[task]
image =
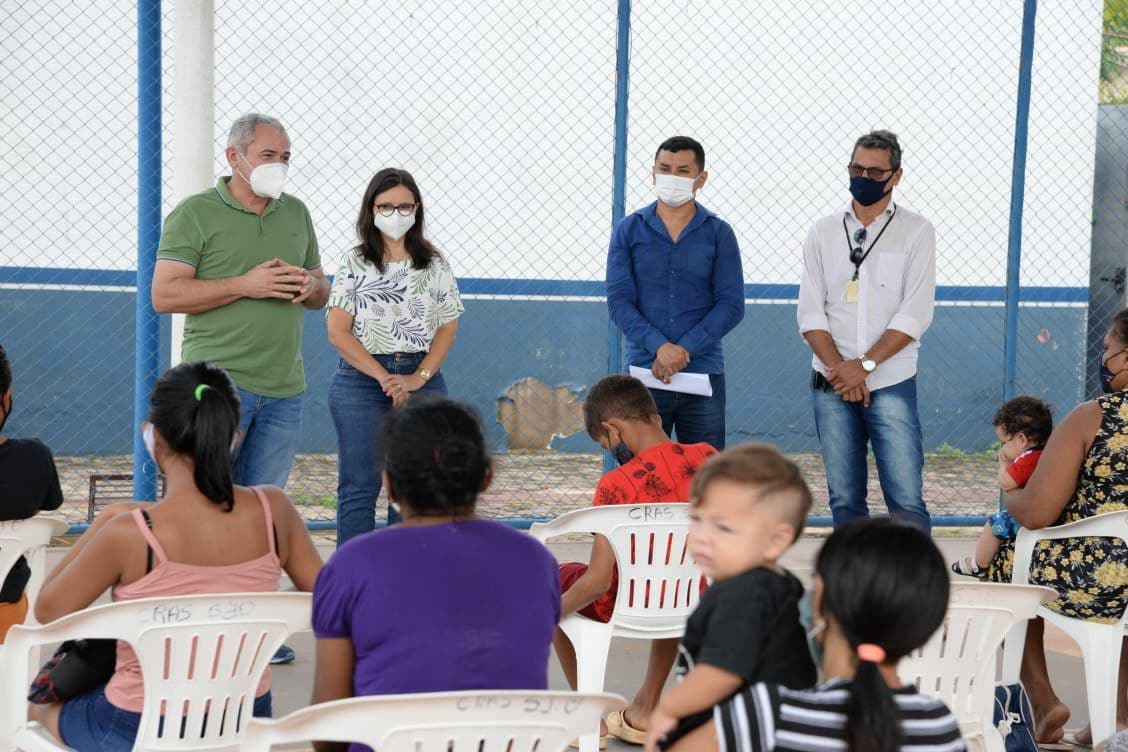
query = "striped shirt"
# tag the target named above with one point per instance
(766, 717)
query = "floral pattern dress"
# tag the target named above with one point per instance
(399, 310)
(1089, 574)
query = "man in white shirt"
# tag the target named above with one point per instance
(866, 297)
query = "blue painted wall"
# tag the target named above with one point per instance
(72, 353)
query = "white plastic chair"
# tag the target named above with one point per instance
(475, 721)
(28, 538)
(1099, 643)
(654, 597)
(201, 660)
(957, 664)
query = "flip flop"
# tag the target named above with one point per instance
(1071, 739)
(617, 726)
(575, 743)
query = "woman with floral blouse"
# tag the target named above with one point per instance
(1083, 472)
(392, 316)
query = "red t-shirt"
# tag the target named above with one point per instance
(659, 474)
(1023, 466)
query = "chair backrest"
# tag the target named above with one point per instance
(659, 583)
(957, 664)
(475, 721)
(28, 538)
(201, 660)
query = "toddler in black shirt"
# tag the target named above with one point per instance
(748, 505)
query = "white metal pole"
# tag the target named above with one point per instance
(193, 111)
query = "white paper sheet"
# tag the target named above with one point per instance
(686, 383)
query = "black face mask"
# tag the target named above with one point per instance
(622, 453)
(1107, 375)
(6, 413)
(867, 191)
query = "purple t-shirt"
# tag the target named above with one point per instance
(461, 605)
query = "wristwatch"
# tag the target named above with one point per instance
(424, 374)
(868, 363)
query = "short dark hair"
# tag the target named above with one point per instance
(1119, 327)
(1028, 415)
(617, 396)
(766, 469)
(436, 457)
(681, 143)
(886, 140)
(200, 423)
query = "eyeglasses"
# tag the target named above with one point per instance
(873, 173)
(856, 254)
(388, 210)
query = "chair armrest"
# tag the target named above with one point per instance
(1109, 525)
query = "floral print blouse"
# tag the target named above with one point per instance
(399, 310)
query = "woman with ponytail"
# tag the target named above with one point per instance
(445, 600)
(880, 591)
(206, 535)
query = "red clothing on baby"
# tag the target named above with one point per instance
(1023, 466)
(659, 474)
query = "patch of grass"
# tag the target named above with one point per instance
(306, 499)
(947, 450)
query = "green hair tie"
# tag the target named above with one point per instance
(200, 390)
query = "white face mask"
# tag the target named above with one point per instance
(673, 190)
(150, 442)
(267, 179)
(395, 226)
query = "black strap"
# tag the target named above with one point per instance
(858, 263)
(148, 548)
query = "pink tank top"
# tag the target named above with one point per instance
(125, 688)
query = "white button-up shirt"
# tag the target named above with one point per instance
(896, 287)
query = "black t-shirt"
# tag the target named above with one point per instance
(29, 483)
(747, 625)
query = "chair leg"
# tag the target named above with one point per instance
(1012, 653)
(1100, 646)
(592, 642)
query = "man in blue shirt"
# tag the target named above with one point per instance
(675, 287)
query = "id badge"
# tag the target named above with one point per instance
(852, 291)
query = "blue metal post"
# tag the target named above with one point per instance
(619, 175)
(147, 344)
(1018, 187)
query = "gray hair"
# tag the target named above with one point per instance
(242, 131)
(886, 140)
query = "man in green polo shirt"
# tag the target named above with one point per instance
(241, 260)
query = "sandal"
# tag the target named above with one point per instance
(575, 743)
(964, 566)
(617, 726)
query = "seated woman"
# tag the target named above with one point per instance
(1083, 472)
(29, 483)
(445, 600)
(881, 590)
(205, 536)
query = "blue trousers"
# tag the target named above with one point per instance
(891, 426)
(270, 428)
(690, 418)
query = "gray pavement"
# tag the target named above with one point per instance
(292, 684)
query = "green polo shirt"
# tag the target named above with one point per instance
(258, 342)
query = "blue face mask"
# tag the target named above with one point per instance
(812, 628)
(867, 191)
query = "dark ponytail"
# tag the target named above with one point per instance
(884, 584)
(436, 456)
(196, 409)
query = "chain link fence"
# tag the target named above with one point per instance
(505, 114)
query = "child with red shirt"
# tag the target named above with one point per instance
(620, 414)
(1022, 425)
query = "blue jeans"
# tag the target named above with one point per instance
(694, 418)
(892, 427)
(358, 406)
(91, 723)
(270, 427)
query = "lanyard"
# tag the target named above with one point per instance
(858, 263)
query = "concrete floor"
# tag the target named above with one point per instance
(292, 684)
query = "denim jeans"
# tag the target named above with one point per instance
(270, 427)
(694, 418)
(358, 406)
(892, 427)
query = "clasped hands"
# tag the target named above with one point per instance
(399, 388)
(669, 359)
(849, 381)
(277, 279)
